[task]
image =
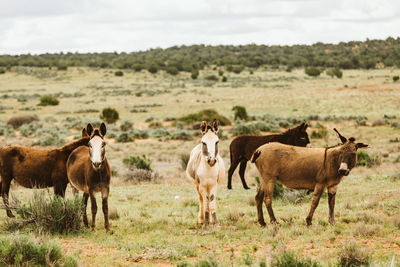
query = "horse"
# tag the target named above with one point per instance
(35, 168)
(206, 170)
(304, 168)
(243, 147)
(88, 171)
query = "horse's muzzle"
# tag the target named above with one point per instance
(344, 172)
(211, 162)
(96, 165)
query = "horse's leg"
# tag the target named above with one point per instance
(213, 204)
(201, 206)
(59, 189)
(85, 200)
(104, 197)
(206, 206)
(315, 200)
(232, 168)
(93, 206)
(259, 203)
(242, 169)
(269, 192)
(331, 201)
(5, 189)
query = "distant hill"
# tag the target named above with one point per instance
(346, 55)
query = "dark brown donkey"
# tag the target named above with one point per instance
(88, 171)
(303, 168)
(35, 168)
(243, 147)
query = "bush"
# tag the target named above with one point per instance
(352, 255)
(320, 132)
(334, 72)
(124, 138)
(224, 79)
(240, 113)
(364, 159)
(195, 74)
(62, 67)
(172, 70)
(237, 69)
(21, 250)
(153, 68)
(48, 100)
(289, 259)
(180, 134)
(205, 115)
(119, 73)
(17, 121)
(139, 175)
(220, 72)
(126, 126)
(184, 160)
(312, 71)
(245, 128)
(155, 124)
(396, 78)
(110, 115)
(138, 162)
(2, 71)
(211, 78)
(50, 213)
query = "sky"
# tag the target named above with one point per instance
(52, 26)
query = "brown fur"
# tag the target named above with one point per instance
(243, 147)
(303, 168)
(82, 176)
(35, 168)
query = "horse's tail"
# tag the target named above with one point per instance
(255, 156)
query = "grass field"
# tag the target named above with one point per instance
(157, 220)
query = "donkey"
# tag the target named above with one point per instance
(303, 168)
(206, 170)
(88, 171)
(243, 147)
(35, 168)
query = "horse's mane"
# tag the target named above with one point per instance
(326, 151)
(74, 144)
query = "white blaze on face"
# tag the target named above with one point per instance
(96, 151)
(210, 147)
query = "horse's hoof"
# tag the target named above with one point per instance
(246, 187)
(309, 222)
(10, 215)
(229, 187)
(262, 223)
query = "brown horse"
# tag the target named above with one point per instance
(35, 168)
(88, 171)
(303, 168)
(243, 147)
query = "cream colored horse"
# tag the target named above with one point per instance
(206, 170)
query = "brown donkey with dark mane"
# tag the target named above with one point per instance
(88, 171)
(303, 168)
(35, 168)
(243, 147)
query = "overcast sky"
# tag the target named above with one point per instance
(39, 26)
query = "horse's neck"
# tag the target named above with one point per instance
(68, 148)
(281, 138)
(331, 162)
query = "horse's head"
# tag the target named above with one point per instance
(210, 141)
(299, 135)
(348, 153)
(97, 144)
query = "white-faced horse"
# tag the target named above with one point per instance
(206, 170)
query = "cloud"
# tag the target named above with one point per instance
(124, 25)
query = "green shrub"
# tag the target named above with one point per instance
(334, 72)
(137, 67)
(237, 69)
(172, 70)
(109, 114)
(119, 73)
(320, 132)
(240, 113)
(184, 160)
(361, 121)
(180, 134)
(312, 71)
(205, 115)
(48, 100)
(48, 137)
(62, 67)
(50, 213)
(21, 250)
(6, 130)
(17, 121)
(124, 138)
(245, 128)
(126, 126)
(138, 162)
(289, 259)
(153, 68)
(352, 256)
(220, 72)
(195, 74)
(278, 190)
(155, 124)
(211, 78)
(364, 159)
(224, 79)
(396, 78)
(2, 70)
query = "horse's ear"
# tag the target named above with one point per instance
(361, 145)
(103, 129)
(215, 125)
(342, 138)
(305, 126)
(84, 132)
(89, 129)
(203, 127)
